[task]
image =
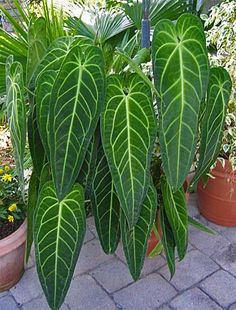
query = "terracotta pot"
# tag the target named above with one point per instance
(217, 201)
(12, 254)
(152, 241)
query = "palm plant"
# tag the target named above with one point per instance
(93, 133)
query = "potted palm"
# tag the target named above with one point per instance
(12, 229)
(217, 198)
(100, 128)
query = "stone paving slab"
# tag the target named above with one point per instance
(221, 287)
(194, 299)
(206, 279)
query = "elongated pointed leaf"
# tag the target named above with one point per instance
(76, 103)
(35, 143)
(106, 206)
(219, 91)
(54, 57)
(16, 113)
(198, 225)
(44, 78)
(128, 134)
(181, 77)
(31, 206)
(135, 239)
(176, 212)
(58, 235)
(168, 242)
(37, 46)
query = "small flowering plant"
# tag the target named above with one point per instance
(12, 207)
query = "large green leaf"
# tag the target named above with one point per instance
(176, 212)
(16, 113)
(168, 241)
(106, 206)
(181, 76)
(135, 239)
(37, 38)
(128, 134)
(219, 90)
(44, 78)
(76, 103)
(58, 234)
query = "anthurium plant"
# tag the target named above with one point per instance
(102, 131)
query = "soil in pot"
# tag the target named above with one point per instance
(12, 253)
(6, 229)
(217, 200)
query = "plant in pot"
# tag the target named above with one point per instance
(217, 195)
(94, 125)
(12, 228)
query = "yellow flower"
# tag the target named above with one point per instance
(7, 177)
(6, 168)
(10, 218)
(1, 171)
(12, 207)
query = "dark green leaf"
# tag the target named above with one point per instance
(58, 235)
(106, 206)
(135, 239)
(168, 242)
(219, 90)
(37, 46)
(16, 113)
(200, 226)
(128, 134)
(176, 212)
(181, 77)
(76, 103)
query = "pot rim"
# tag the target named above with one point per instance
(13, 241)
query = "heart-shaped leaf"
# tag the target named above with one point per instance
(58, 234)
(128, 134)
(181, 73)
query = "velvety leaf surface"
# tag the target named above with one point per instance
(181, 76)
(219, 90)
(168, 242)
(75, 106)
(176, 212)
(37, 37)
(135, 240)
(16, 114)
(128, 134)
(106, 206)
(59, 232)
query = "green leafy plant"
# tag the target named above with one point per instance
(98, 134)
(221, 40)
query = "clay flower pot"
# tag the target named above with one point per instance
(217, 201)
(152, 241)
(12, 254)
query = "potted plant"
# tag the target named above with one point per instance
(99, 128)
(217, 198)
(12, 229)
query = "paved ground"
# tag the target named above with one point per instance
(206, 279)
